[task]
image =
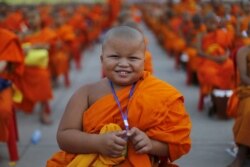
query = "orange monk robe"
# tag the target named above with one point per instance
(11, 52)
(14, 21)
(163, 118)
(35, 84)
(211, 74)
(235, 9)
(66, 33)
(95, 30)
(114, 9)
(241, 126)
(78, 21)
(193, 57)
(168, 36)
(148, 65)
(179, 43)
(244, 23)
(6, 106)
(60, 54)
(189, 6)
(45, 11)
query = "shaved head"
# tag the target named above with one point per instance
(124, 33)
(123, 55)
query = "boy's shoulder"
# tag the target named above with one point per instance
(94, 91)
(154, 87)
(152, 81)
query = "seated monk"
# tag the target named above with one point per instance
(215, 62)
(128, 118)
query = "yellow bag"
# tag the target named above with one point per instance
(37, 57)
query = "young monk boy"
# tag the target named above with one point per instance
(129, 118)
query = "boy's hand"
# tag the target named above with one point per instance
(140, 140)
(113, 144)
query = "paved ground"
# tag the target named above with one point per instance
(210, 136)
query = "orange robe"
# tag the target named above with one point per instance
(35, 84)
(60, 54)
(211, 74)
(191, 51)
(11, 52)
(5, 113)
(14, 21)
(241, 126)
(148, 65)
(163, 118)
(114, 9)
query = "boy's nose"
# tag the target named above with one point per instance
(123, 62)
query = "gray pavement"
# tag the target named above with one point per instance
(210, 136)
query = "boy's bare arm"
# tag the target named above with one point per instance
(70, 135)
(72, 138)
(159, 148)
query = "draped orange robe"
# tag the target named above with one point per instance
(155, 108)
(114, 9)
(14, 21)
(240, 109)
(60, 54)
(35, 84)
(211, 74)
(241, 126)
(11, 52)
(148, 65)
(191, 51)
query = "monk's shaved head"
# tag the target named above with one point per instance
(124, 33)
(211, 16)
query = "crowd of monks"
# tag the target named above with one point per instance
(204, 37)
(37, 44)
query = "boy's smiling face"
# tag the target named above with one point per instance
(123, 60)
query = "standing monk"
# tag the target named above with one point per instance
(11, 66)
(241, 127)
(35, 84)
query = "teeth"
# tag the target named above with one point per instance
(123, 72)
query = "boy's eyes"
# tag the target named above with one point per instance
(117, 56)
(113, 56)
(133, 58)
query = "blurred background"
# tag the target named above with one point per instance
(49, 48)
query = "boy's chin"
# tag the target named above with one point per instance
(124, 82)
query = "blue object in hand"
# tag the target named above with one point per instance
(36, 136)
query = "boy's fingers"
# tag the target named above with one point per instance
(132, 132)
(122, 134)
